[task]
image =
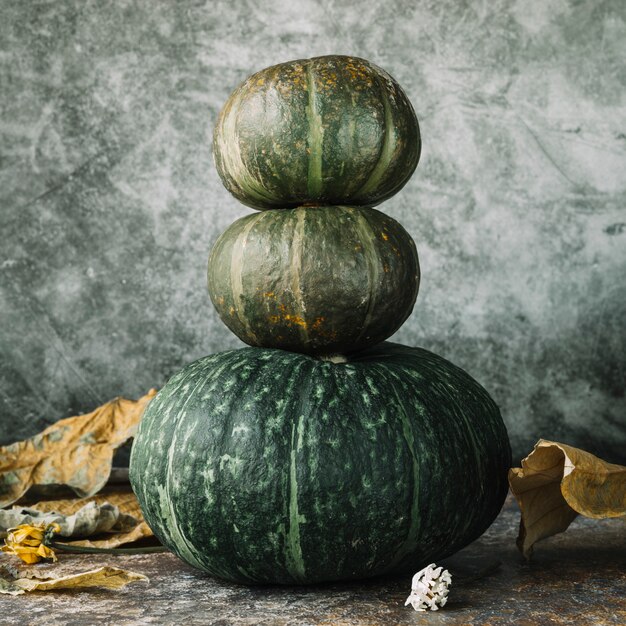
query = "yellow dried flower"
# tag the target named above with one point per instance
(26, 542)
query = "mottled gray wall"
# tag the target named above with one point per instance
(110, 201)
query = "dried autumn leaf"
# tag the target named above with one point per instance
(125, 500)
(121, 497)
(556, 483)
(106, 577)
(91, 519)
(76, 451)
(141, 531)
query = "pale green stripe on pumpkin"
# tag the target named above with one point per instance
(387, 151)
(166, 500)
(214, 383)
(149, 432)
(372, 257)
(229, 150)
(316, 138)
(411, 539)
(295, 561)
(236, 273)
(297, 247)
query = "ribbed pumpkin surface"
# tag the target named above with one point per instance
(265, 466)
(327, 130)
(324, 280)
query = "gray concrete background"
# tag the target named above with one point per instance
(109, 200)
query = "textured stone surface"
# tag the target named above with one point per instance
(577, 578)
(109, 200)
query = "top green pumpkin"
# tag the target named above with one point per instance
(328, 130)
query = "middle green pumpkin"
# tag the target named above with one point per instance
(324, 280)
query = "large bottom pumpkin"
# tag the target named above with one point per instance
(267, 466)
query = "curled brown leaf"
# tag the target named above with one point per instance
(556, 483)
(76, 451)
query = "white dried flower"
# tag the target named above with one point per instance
(429, 588)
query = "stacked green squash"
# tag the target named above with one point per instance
(319, 280)
(322, 452)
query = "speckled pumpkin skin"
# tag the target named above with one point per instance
(267, 466)
(323, 280)
(327, 130)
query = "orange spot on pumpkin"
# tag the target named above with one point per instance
(295, 319)
(317, 323)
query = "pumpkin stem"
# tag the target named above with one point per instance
(334, 358)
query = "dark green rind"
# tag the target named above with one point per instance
(327, 130)
(323, 280)
(265, 466)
